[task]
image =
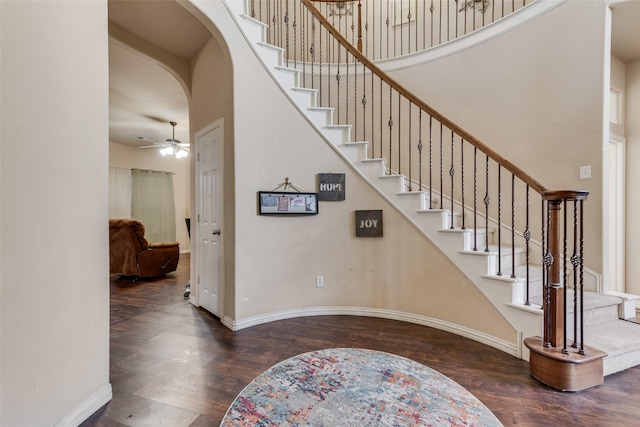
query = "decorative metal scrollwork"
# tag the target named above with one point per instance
(576, 260)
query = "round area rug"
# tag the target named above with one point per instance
(355, 387)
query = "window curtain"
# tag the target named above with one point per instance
(152, 202)
(119, 192)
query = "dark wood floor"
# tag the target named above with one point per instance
(175, 365)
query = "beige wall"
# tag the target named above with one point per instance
(54, 286)
(131, 157)
(277, 258)
(534, 95)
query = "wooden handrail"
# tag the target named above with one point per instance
(561, 195)
(527, 179)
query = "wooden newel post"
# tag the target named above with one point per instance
(554, 304)
(554, 294)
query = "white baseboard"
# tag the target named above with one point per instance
(87, 408)
(511, 348)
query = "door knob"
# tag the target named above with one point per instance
(216, 232)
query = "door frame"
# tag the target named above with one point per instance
(617, 206)
(196, 268)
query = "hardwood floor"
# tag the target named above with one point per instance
(176, 365)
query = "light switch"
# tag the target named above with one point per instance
(585, 172)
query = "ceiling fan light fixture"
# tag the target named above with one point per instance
(180, 153)
(166, 151)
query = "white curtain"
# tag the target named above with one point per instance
(152, 202)
(119, 192)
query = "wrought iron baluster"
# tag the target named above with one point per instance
(431, 11)
(388, 22)
(395, 42)
(527, 238)
(441, 170)
(548, 260)
(581, 351)
(499, 220)
(452, 173)
(381, 120)
(576, 264)
(286, 29)
(364, 102)
(420, 146)
(457, 15)
(399, 134)
(487, 200)
(430, 162)
(462, 180)
(346, 97)
(410, 145)
(390, 129)
(355, 99)
(564, 279)
(475, 201)
(338, 64)
(513, 226)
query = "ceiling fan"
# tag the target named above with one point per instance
(171, 146)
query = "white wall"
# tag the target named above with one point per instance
(131, 157)
(633, 175)
(54, 268)
(534, 95)
(276, 259)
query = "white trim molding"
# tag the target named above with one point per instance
(96, 401)
(511, 348)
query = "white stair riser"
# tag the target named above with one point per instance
(372, 169)
(255, 30)
(355, 151)
(320, 117)
(410, 200)
(391, 184)
(303, 97)
(287, 77)
(271, 55)
(338, 135)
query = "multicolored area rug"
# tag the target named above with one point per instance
(355, 387)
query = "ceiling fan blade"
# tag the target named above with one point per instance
(154, 146)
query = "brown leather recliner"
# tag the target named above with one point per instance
(130, 254)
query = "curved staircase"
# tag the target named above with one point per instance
(619, 339)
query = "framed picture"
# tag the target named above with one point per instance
(369, 223)
(285, 202)
(331, 187)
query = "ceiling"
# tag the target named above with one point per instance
(144, 97)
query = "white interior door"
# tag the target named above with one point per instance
(210, 255)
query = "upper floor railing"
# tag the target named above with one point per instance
(383, 29)
(454, 170)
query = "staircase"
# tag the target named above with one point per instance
(605, 331)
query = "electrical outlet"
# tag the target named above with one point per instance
(319, 281)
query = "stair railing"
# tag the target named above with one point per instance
(440, 159)
(384, 29)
